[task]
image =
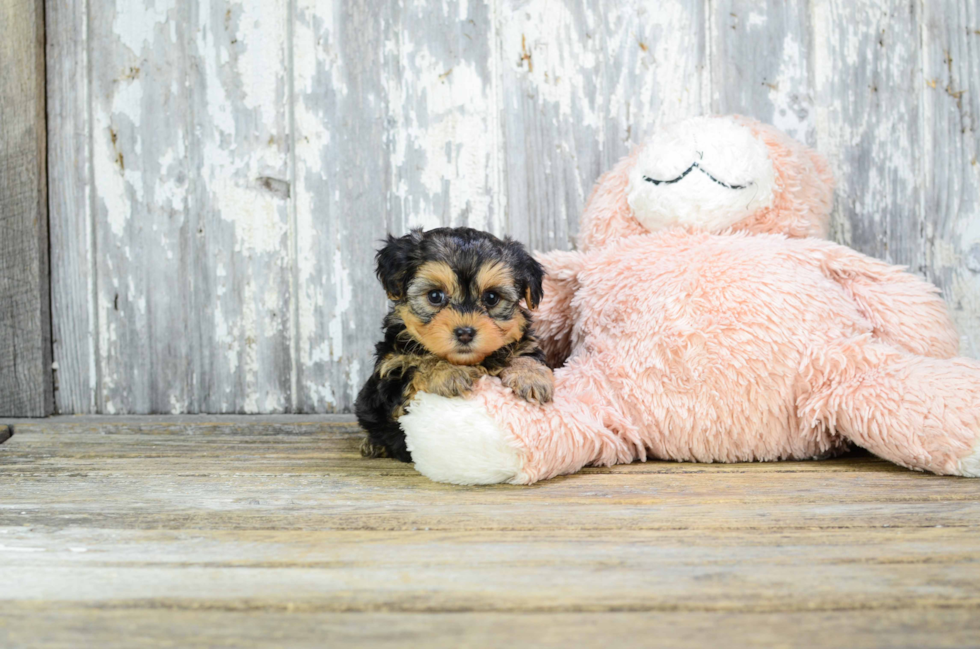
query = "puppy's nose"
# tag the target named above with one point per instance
(464, 334)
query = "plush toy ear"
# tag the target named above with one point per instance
(395, 262)
(529, 274)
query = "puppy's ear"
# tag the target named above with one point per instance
(395, 262)
(528, 273)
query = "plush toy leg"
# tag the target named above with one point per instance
(905, 310)
(494, 436)
(919, 412)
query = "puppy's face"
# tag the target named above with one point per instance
(458, 291)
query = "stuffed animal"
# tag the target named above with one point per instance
(702, 319)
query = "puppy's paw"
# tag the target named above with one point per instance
(448, 380)
(371, 450)
(530, 380)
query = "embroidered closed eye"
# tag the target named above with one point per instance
(694, 166)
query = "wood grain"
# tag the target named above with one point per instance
(173, 290)
(52, 625)
(760, 56)
(342, 188)
(25, 317)
(219, 190)
(233, 533)
(950, 234)
(581, 83)
(866, 79)
(73, 291)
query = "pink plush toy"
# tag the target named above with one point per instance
(701, 320)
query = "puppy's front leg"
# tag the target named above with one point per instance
(445, 379)
(530, 379)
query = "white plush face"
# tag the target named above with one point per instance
(704, 172)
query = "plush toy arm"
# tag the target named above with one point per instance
(553, 318)
(904, 310)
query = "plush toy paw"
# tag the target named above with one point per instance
(530, 380)
(969, 466)
(456, 441)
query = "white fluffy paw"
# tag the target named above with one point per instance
(456, 441)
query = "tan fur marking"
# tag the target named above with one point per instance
(531, 304)
(512, 330)
(432, 374)
(494, 275)
(441, 274)
(446, 379)
(529, 379)
(396, 364)
(437, 336)
(527, 347)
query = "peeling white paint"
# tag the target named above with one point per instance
(114, 191)
(262, 35)
(135, 23)
(311, 48)
(128, 101)
(228, 339)
(662, 87)
(558, 58)
(250, 365)
(256, 214)
(442, 148)
(548, 87)
(107, 348)
(321, 394)
(217, 102)
(790, 93)
(317, 34)
(177, 405)
(336, 328)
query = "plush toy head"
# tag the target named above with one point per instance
(717, 174)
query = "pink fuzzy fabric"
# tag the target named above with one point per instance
(805, 187)
(755, 343)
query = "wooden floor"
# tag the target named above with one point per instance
(254, 532)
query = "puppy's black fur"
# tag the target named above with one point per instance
(442, 282)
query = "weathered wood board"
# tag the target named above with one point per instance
(222, 171)
(256, 532)
(26, 387)
(950, 173)
(55, 625)
(74, 314)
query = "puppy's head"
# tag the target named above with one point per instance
(458, 290)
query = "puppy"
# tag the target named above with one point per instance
(455, 317)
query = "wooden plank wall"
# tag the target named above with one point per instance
(25, 320)
(221, 170)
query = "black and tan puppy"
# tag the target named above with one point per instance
(456, 316)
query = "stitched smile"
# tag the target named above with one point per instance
(694, 166)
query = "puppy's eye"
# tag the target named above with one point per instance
(436, 298)
(491, 299)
